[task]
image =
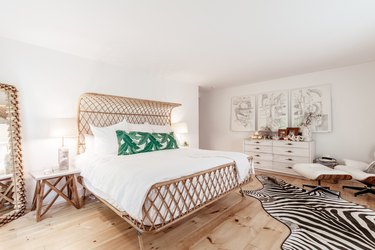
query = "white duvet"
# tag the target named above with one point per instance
(124, 181)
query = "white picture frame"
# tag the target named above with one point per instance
(316, 99)
(273, 110)
(243, 113)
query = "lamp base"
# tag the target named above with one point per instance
(63, 158)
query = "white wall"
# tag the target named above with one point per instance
(51, 82)
(353, 112)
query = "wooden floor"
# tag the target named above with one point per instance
(231, 223)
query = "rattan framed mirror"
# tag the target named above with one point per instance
(12, 186)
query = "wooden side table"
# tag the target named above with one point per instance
(52, 180)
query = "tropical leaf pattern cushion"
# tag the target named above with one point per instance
(135, 142)
(166, 140)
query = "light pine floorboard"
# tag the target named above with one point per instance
(231, 223)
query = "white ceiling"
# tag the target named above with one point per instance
(205, 42)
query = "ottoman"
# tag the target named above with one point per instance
(319, 172)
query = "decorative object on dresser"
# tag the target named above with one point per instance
(279, 155)
(273, 110)
(312, 100)
(52, 178)
(63, 128)
(243, 113)
(12, 186)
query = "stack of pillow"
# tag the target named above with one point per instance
(126, 138)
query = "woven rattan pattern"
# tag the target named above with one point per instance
(105, 110)
(15, 155)
(166, 202)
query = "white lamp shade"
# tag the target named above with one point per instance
(63, 127)
(180, 128)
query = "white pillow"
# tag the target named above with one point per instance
(106, 139)
(89, 144)
(161, 128)
(146, 127)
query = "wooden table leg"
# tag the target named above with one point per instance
(40, 200)
(35, 198)
(74, 191)
(67, 179)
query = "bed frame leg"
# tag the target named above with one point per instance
(241, 192)
(140, 240)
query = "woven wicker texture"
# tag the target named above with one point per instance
(15, 154)
(105, 110)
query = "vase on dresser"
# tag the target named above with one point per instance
(306, 133)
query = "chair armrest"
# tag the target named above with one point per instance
(356, 164)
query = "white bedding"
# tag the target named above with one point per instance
(124, 181)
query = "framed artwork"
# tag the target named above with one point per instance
(243, 113)
(273, 110)
(316, 100)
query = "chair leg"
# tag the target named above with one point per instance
(362, 190)
(310, 186)
(354, 188)
(365, 191)
(319, 188)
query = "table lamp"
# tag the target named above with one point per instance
(63, 128)
(179, 129)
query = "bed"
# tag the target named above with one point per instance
(183, 180)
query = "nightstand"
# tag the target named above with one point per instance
(52, 179)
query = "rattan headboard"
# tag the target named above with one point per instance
(105, 110)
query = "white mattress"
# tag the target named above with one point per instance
(124, 181)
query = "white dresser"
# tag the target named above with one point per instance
(279, 156)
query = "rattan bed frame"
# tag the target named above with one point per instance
(178, 198)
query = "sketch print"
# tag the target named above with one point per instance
(243, 113)
(316, 100)
(273, 110)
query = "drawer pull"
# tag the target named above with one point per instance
(289, 167)
(289, 143)
(257, 142)
(289, 151)
(289, 159)
(257, 155)
(257, 148)
(257, 162)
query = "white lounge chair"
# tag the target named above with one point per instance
(357, 170)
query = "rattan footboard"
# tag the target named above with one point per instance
(171, 201)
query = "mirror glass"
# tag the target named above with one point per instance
(7, 171)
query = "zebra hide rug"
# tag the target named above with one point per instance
(316, 221)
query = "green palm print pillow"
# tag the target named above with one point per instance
(141, 142)
(166, 140)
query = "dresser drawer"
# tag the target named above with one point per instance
(291, 144)
(290, 159)
(258, 148)
(258, 142)
(260, 156)
(291, 151)
(259, 164)
(284, 168)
